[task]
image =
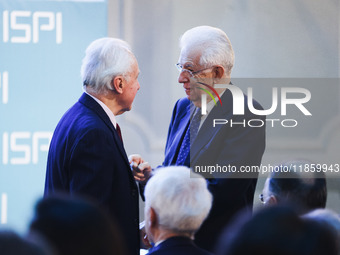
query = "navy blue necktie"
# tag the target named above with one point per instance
(190, 135)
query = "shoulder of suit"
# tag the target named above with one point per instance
(182, 102)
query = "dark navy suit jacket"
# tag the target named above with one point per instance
(237, 145)
(177, 246)
(87, 158)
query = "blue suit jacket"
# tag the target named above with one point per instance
(222, 145)
(87, 158)
(177, 245)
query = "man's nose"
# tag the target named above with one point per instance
(184, 77)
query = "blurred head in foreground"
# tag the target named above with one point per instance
(277, 230)
(74, 226)
(13, 244)
(294, 183)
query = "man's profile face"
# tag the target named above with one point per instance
(189, 59)
(148, 224)
(131, 87)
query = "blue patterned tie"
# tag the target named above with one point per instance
(190, 135)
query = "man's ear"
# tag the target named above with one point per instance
(153, 218)
(218, 72)
(271, 200)
(117, 84)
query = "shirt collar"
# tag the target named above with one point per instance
(159, 242)
(106, 109)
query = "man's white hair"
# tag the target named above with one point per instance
(213, 43)
(179, 197)
(105, 58)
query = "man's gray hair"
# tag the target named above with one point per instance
(105, 58)
(179, 197)
(213, 43)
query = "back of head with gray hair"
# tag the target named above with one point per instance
(180, 199)
(104, 59)
(305, 189)
(213, 43)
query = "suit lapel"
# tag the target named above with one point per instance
(93, 105)
(207, 132)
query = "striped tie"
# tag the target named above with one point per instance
(190, 135)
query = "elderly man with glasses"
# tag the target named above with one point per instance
(206, 59)
(218, 152)
(298, 183)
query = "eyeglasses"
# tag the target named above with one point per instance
(262, 198)
(191, 73)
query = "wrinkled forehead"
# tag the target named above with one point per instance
(135, 66)
(190, 56)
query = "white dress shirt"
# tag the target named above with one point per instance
(106, 109)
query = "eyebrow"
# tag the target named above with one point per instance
(188, 64)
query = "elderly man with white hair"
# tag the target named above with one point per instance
(218, 152)
(205, 62)
(87, 155)
(176, 203)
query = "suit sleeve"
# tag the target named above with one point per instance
(166, 161)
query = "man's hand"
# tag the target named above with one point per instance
(141, 170)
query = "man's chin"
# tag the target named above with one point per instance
(192, 97)
(194, 100)
(128, 109)
(124, 110)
